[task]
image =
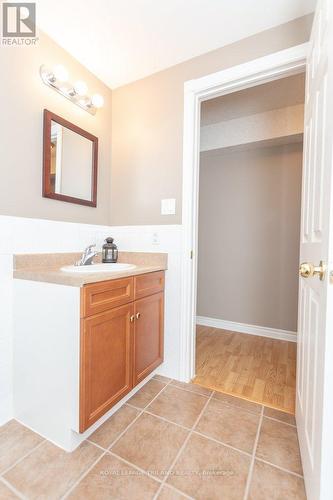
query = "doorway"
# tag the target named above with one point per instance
(251, 148)
(314, 373)
(283, 64)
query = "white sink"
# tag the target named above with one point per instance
(98, 268)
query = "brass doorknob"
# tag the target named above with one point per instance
(308, 270)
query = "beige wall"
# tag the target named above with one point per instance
(249, 216)
(147, 121)
(23, 98)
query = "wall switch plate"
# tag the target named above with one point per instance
(168, 206)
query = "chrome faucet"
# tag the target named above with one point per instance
(87, 256)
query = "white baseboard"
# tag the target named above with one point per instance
(261, 331)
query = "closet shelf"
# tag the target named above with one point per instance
(266, 143)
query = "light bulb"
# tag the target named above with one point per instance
(80, 88)
(97, 101)
(60, 73)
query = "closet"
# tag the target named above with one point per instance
(251, 147)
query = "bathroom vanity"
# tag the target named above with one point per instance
(83, 342)
(121, 340)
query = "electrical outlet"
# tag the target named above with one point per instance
(155, 239)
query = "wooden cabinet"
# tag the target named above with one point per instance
(147, 284)
(106, 362)
(103, 296)
(121, 340)
(148, 335)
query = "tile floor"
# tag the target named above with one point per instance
(170, 441)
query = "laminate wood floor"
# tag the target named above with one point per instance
(256, 368)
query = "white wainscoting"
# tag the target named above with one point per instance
(261, 331)
(23, 235)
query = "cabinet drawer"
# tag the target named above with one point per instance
(147, 284)
(100, 297)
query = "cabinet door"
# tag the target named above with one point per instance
(148, 335)
(106, 362)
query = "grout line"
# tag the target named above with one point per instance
(167, 420)
(204, 436)
(132, 406)
(249, 476)
(143, 472)
(155, 378)
(197, 432)
(137, 417)
(240, 408)
(182, 447)
(231, 405)
(23, 457)
(82, 476)
(192, 392)
(11, 488)
(108, 450)
(279, 467)
(173, 488)
(280, 421)
(222, 443)
(95, 444)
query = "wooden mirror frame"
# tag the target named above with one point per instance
(47, 192)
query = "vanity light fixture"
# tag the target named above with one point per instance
(57, 78)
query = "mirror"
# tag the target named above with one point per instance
(70, 162)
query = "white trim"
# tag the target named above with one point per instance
(261, 331)
(258, 71)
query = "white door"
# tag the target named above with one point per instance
(315, 327)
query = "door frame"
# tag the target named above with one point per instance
(258, 71)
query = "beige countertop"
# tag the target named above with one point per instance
(47, 267)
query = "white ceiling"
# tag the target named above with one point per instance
(124, 40)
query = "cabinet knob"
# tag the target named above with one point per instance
(132, 318)
(138, 315)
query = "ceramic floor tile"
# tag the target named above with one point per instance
(279, 415)
(181, 407)
(238, 402)
(208, 470)
(192, 387)
(161, 378)
(231, 425)
(144, 396)
(115, 425)
(112, 478)
(271, 483)
(167, 493)
(6, 493)
(15, 441)
(278, 444)
(49, 471)
(150, 443)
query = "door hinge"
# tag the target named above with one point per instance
(191, 254)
